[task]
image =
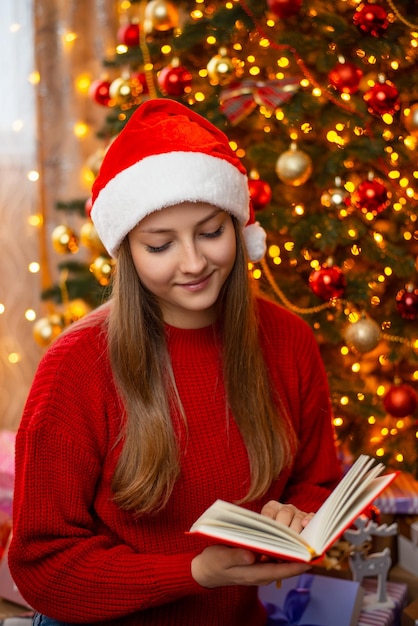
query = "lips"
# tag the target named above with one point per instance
(197, 285)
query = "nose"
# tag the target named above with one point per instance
(192, 259)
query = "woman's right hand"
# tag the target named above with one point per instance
(222, 566)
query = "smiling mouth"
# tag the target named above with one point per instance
(198, 284)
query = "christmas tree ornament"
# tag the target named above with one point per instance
(382, 98)
(371, 196)
(294, 167)
(328, 282)
(260, 193)
(120, 90)
(400, 400)
(94, 162)
(128, 35)
(160, 16)
(411, 119)
(371, 19)
(99, 92)
(46, 329)
(102, 269)
(221, 68)
(240, 98)
(90, 239)
(75, 310)
(336, 197)
(284, 8)
(174, 80)
(362, 336)
(64, 240)
(345, 77)
(407, 302)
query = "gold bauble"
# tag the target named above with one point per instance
(294, 166)
(64, 240)
(411, 119)
(160, 16)
(46, 329)
(75, 310)
(362, 336)
(120, 91)
(90, 239)
(221, 69)
(102, 269)
(95, 160)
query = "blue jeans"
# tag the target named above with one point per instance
(42, 620)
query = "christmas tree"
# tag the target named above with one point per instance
(320, 100)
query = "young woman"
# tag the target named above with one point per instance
(184, 388)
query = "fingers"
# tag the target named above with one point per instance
(220, 566)
(287, 514)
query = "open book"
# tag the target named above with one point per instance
(235, 525)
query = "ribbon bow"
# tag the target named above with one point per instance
(294, 607)
(240, 99)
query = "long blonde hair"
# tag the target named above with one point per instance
(149, 465)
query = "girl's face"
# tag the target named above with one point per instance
(183, 254)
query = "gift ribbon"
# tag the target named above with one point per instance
(294, 606)
(240, 99)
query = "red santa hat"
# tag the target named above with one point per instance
(168, 154)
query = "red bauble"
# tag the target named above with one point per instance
(260, 193)
(128, 34)
(99, 92)
(174, 81)
(371, 19)
(400, 400)
(328, 282)
(284, 8)
(345, 77)
(371, 196)
(407, 302)
(382, 98)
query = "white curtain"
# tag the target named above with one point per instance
(19, 288)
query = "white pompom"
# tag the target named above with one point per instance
(255, 241)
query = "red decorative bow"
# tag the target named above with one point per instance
(240, 99)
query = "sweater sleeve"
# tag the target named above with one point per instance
(64, 560)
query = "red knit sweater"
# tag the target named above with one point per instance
(75, 555)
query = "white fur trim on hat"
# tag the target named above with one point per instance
(162, 180)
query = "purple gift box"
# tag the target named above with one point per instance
(312, 600)
(400, 497)
(386, 615)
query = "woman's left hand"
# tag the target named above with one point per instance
(287, 514)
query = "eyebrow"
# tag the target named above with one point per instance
(170, 230)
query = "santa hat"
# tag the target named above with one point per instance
(167, 154)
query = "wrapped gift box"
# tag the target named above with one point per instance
(313, 599)
(400, 497)
(382, 615)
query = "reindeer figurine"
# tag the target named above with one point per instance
(371, 565)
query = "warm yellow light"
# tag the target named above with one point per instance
(211, 40)
(344, 350)
(283, 62)
(380, 391)
(317, 92)
(69, 37)
(274, 251)
(80, 129)
(299, 209)
(83, 83)
(199, 96)
(166, 49)
(34, 267)
(264, 43)
(257, 274)
(371, 419)
(34, 78)
(338, 421)
(380, 452)
(33, 176)
(2, 308)
(35, 220)
(30, 315)
(289, 245)
(14, 357)
(344, 400)
(254, 71)
(355, 367)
